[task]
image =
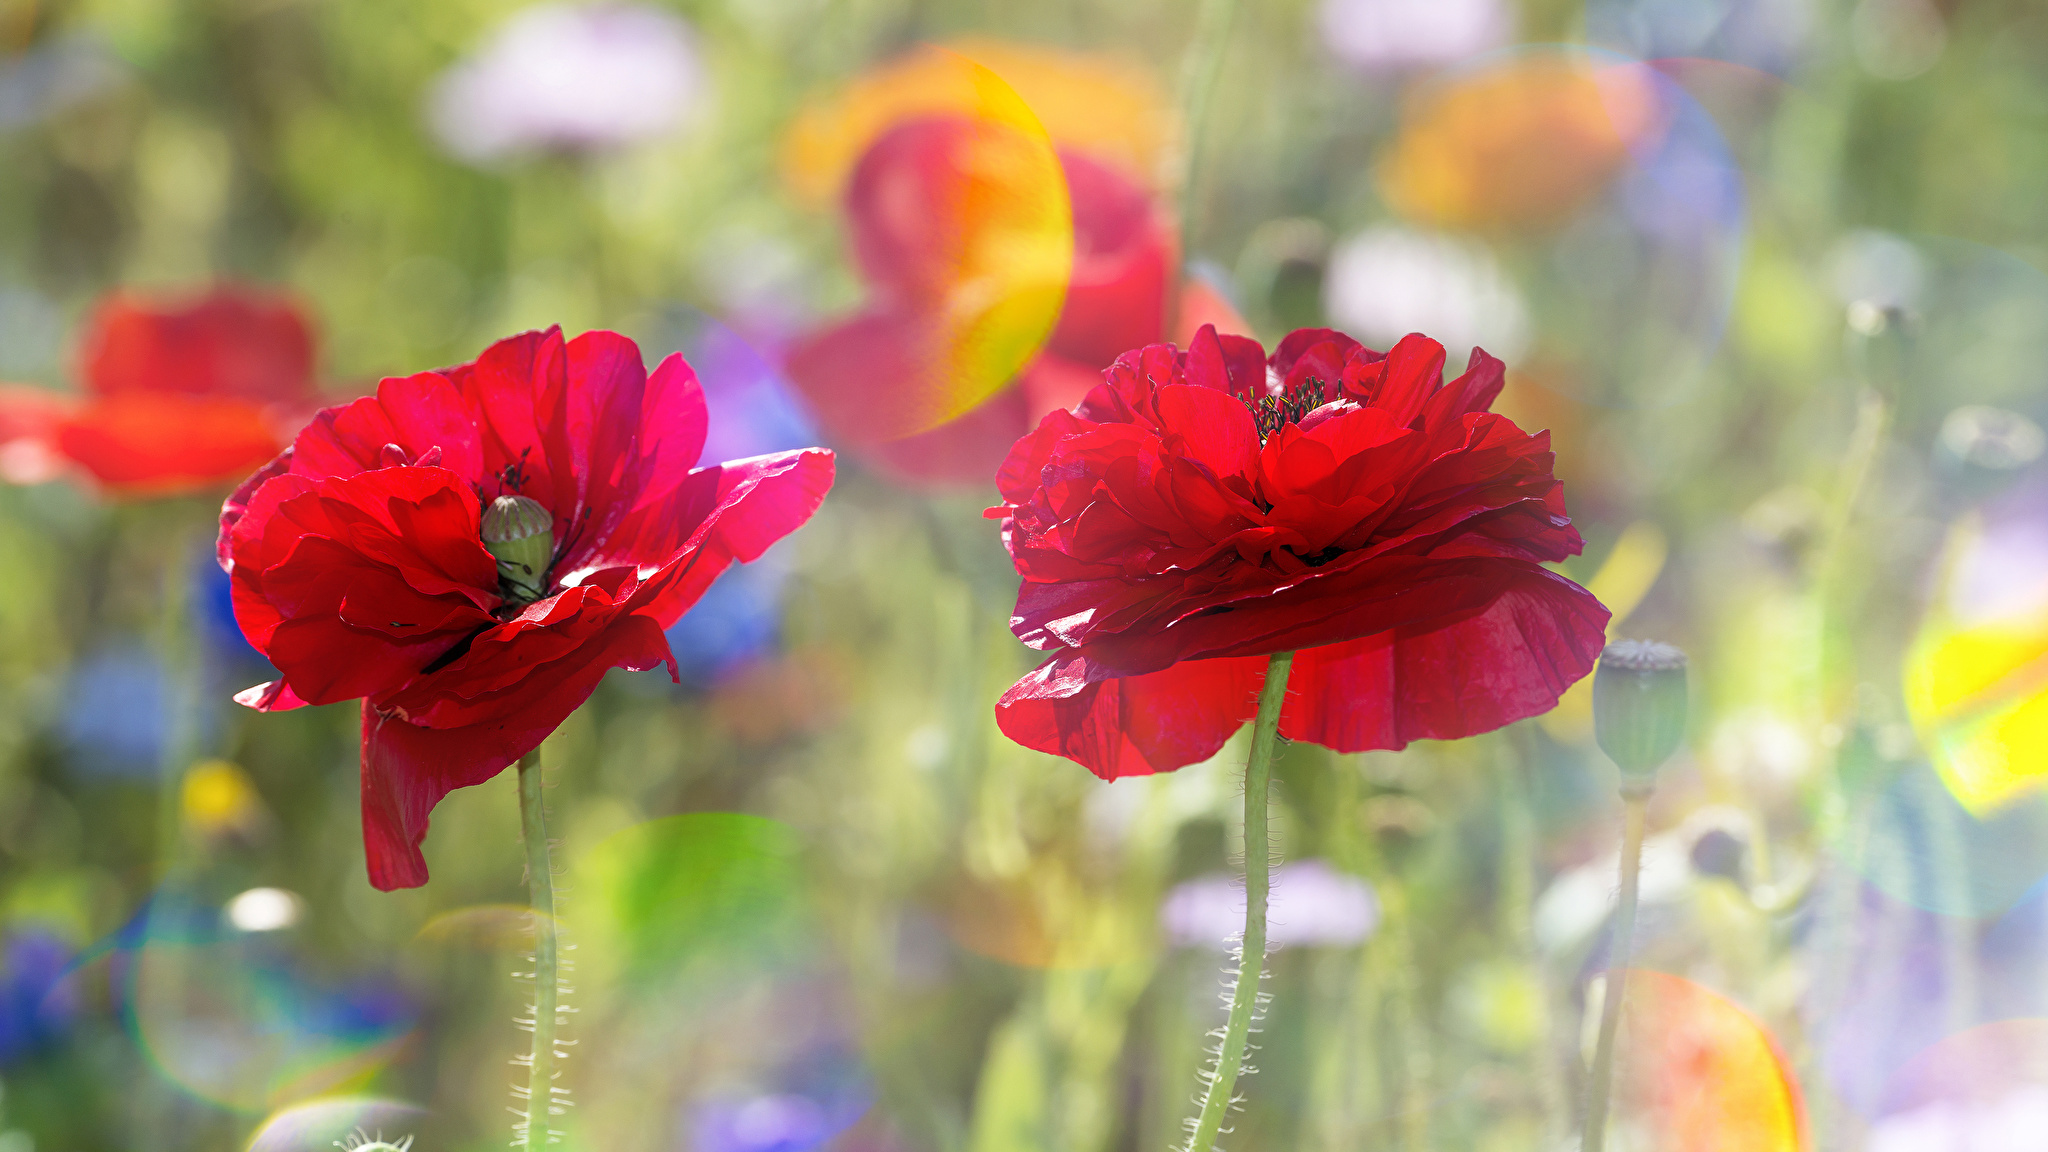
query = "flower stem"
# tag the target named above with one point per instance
(1258, 771)
(540, 886)
(1634, 800)
(1203, 64)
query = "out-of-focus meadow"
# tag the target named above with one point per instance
(1771, 272)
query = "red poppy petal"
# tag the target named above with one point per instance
(145, 443)
(418, 413)
(232, 342)
(963, 451)
(1215, 427)
(407, 769)
(1133, 725)
(29, 420)
(270, 696)
(1123, 251)
(1475, 391)
(1508, 662)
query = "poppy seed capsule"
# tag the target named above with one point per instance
(520, 533)
(1639, 706)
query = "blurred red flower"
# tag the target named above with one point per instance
(359, 570)
(178, 397)
(1116, 298)
(1203, 509)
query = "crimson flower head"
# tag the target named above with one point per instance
(470, 550)
(179, 397)
(1201, 510)
(895, 207)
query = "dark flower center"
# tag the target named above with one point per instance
(1272, 413)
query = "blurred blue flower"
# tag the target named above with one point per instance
(1768, 35)
(52, 77)
(116, 712)
(752, 412)
(36, 1004)
(738, 618)
(824, 1095)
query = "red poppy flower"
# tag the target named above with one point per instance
(1116, 299)
(1203, 509)
(178, 398)
(359, 565)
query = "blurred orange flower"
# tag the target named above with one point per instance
(1703, 1075)
(179, 397)
(1521, 147)
(1104, 105)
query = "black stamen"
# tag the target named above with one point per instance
(1272, 413)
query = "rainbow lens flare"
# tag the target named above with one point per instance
(234, 1017)
(1702, 1074)
(325, 1124)
(962, 226)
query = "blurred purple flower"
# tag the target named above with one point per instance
(1311, 904)
(36, 1004)
(1389, 35)
(569, 78)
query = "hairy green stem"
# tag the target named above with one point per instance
(540, 886)
(1258, 771)
(1602, 1081)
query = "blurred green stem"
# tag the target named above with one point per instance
(1602, 1081)
(540, 886)
(1258, 772)
(1517, 909)
(1203, 65)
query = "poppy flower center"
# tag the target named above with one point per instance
(519, 531)
(1272, 413)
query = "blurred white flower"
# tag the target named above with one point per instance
(1580, 900)
(569, 78)
(1877, 268)
(1311, 904)
(1383, 35)
(1388, 281)
(2013, 1122)
(265, 910)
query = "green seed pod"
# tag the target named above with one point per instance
(1639, 706)
(520, 533)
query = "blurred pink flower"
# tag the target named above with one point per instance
(2013, 1122)
(569, 78)
(1312, 904)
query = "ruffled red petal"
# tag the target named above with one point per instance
(1132, 725)
(1511, 660)
(408, 768)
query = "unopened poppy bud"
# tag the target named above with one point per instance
(520, 533)
(1639, 707)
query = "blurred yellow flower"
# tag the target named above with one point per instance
(218, 798)
(1104, 105)
(1976, 676)
(1521, 147)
